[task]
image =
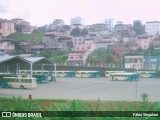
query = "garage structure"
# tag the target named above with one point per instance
(11, 64)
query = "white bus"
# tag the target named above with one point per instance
(124, 76)
(64, 73)
(148, 74)
(19, 82)
(42, 76)
(107, 73)
(87, 74)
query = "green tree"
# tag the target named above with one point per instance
(138, 27)
(76, 32)
(46, 53)
(84, 32)
(98, 55)
(18, 27)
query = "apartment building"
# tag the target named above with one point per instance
(144, 42)
(25, 45)
(152, 27)
(77, 41)
(26, 27)
(98, 29)
(6, 27)
(56, 43)
(37, 46)
(7, 46)
(79, 56)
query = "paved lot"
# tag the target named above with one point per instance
(90, 89)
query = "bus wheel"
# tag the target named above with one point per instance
(22, 87)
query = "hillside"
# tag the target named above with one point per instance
(37, 35)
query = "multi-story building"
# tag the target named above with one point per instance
(18, 20)
(50, 42)
(56, 44)
(7, 46)
(77, 41)
(89, 40)
(25, 45)
(152, 27)
(134, 62)
(98, 29)
(57, 23)
(76, 21)
(144, 42)
(110, 23)
(79, 56)
(37, 46)
(6, 27)
(25, 26)
(105, 44)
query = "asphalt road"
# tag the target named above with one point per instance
(90, 89)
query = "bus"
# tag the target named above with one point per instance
(107, 73)
(87, 74)
(125, 76)
(64, 73)
(148, 74)
(18, 82)
(42, 76)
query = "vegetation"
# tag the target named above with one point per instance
(78, 108)
(36, 35)
(99, 55)
(58, 57)
(151, 51)
(138, 27)
(76, 32)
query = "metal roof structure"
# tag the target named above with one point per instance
(15, 59)
(39, 60)
(11, 62)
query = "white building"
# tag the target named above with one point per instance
(152, 27)
(76, 20)
(110, 23)
(77, 41)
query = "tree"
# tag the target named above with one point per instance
(98, 55)
(18, 27)
(138, 27)
(76, 32)
(46, 53)
(84, 32)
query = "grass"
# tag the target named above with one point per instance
(60, 105)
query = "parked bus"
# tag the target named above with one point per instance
(125, 76)
(18, 82)
(42, 76)
(107, 73)
(88, 74)
(148, 74)
(64, 73)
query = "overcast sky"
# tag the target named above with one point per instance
(40, 12)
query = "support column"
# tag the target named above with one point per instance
(31, 70)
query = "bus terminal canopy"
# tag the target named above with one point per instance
(9, 62)
(39, 60)
(6, 59)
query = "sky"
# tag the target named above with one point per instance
(41, 12)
